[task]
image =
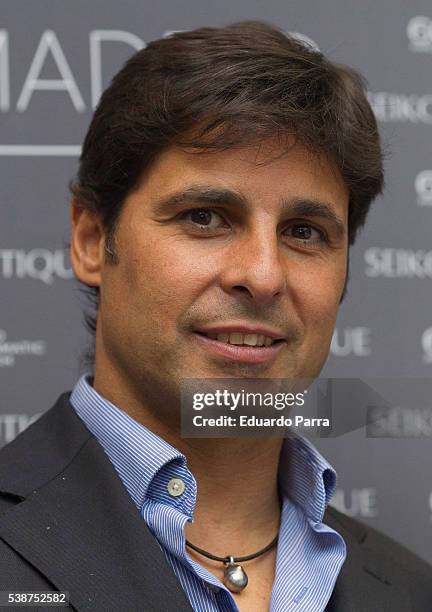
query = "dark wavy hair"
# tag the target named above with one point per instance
(214, 88)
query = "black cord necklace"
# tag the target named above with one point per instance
(235, 578)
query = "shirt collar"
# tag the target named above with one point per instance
(306, 476)
(138, 454)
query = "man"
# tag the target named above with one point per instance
(222, 180)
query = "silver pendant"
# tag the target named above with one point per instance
(235, 578)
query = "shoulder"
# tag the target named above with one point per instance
(42, 450)
(28, 463)
(376, 541)
(384, 558)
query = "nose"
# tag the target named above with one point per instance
(255, 267)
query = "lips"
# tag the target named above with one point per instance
(240, 347)
(240, 339)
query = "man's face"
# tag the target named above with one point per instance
(211, 242)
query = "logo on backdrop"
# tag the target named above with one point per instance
(397, 263)
(419, 32)
(10, 350)
(40, 264)
(423, 187)
(356, 502)
(426, 341)
(401, 108)
(351, 341)
(13, 424)
(48, 50)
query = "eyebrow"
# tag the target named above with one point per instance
(199, 194)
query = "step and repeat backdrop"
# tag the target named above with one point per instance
(55, 60)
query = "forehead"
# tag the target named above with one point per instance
(267, 171)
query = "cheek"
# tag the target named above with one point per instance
(163, 278)
(320, 296)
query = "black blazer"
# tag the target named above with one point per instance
(67, 523)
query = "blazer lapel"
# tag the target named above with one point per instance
(363, 584)
(82, 531)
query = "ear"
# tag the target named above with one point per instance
(87, 245)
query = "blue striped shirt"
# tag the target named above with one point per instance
(309, 553)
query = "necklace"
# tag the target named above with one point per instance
(235, 578)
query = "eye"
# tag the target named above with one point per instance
(306, 233)
(205, 218)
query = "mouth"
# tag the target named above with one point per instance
(241, 347)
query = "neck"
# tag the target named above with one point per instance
(238, 505)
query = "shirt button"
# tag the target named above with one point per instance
(175, 487)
